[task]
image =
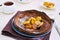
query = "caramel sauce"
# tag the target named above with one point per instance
(8, 3)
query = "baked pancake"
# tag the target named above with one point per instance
(32, 22)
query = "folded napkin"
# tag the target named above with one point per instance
(8, 31)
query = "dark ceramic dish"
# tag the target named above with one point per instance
(22, 33)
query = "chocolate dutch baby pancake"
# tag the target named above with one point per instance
(32, 22)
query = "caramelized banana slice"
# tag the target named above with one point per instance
(28, 26)
(48, 4)
(38, 18)
(39, 23)
(26, 22)
(32, 20)
(51, 5)
(45, 3)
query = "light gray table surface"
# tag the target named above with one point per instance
(54, 14)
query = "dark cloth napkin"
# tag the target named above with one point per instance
(8, 31)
